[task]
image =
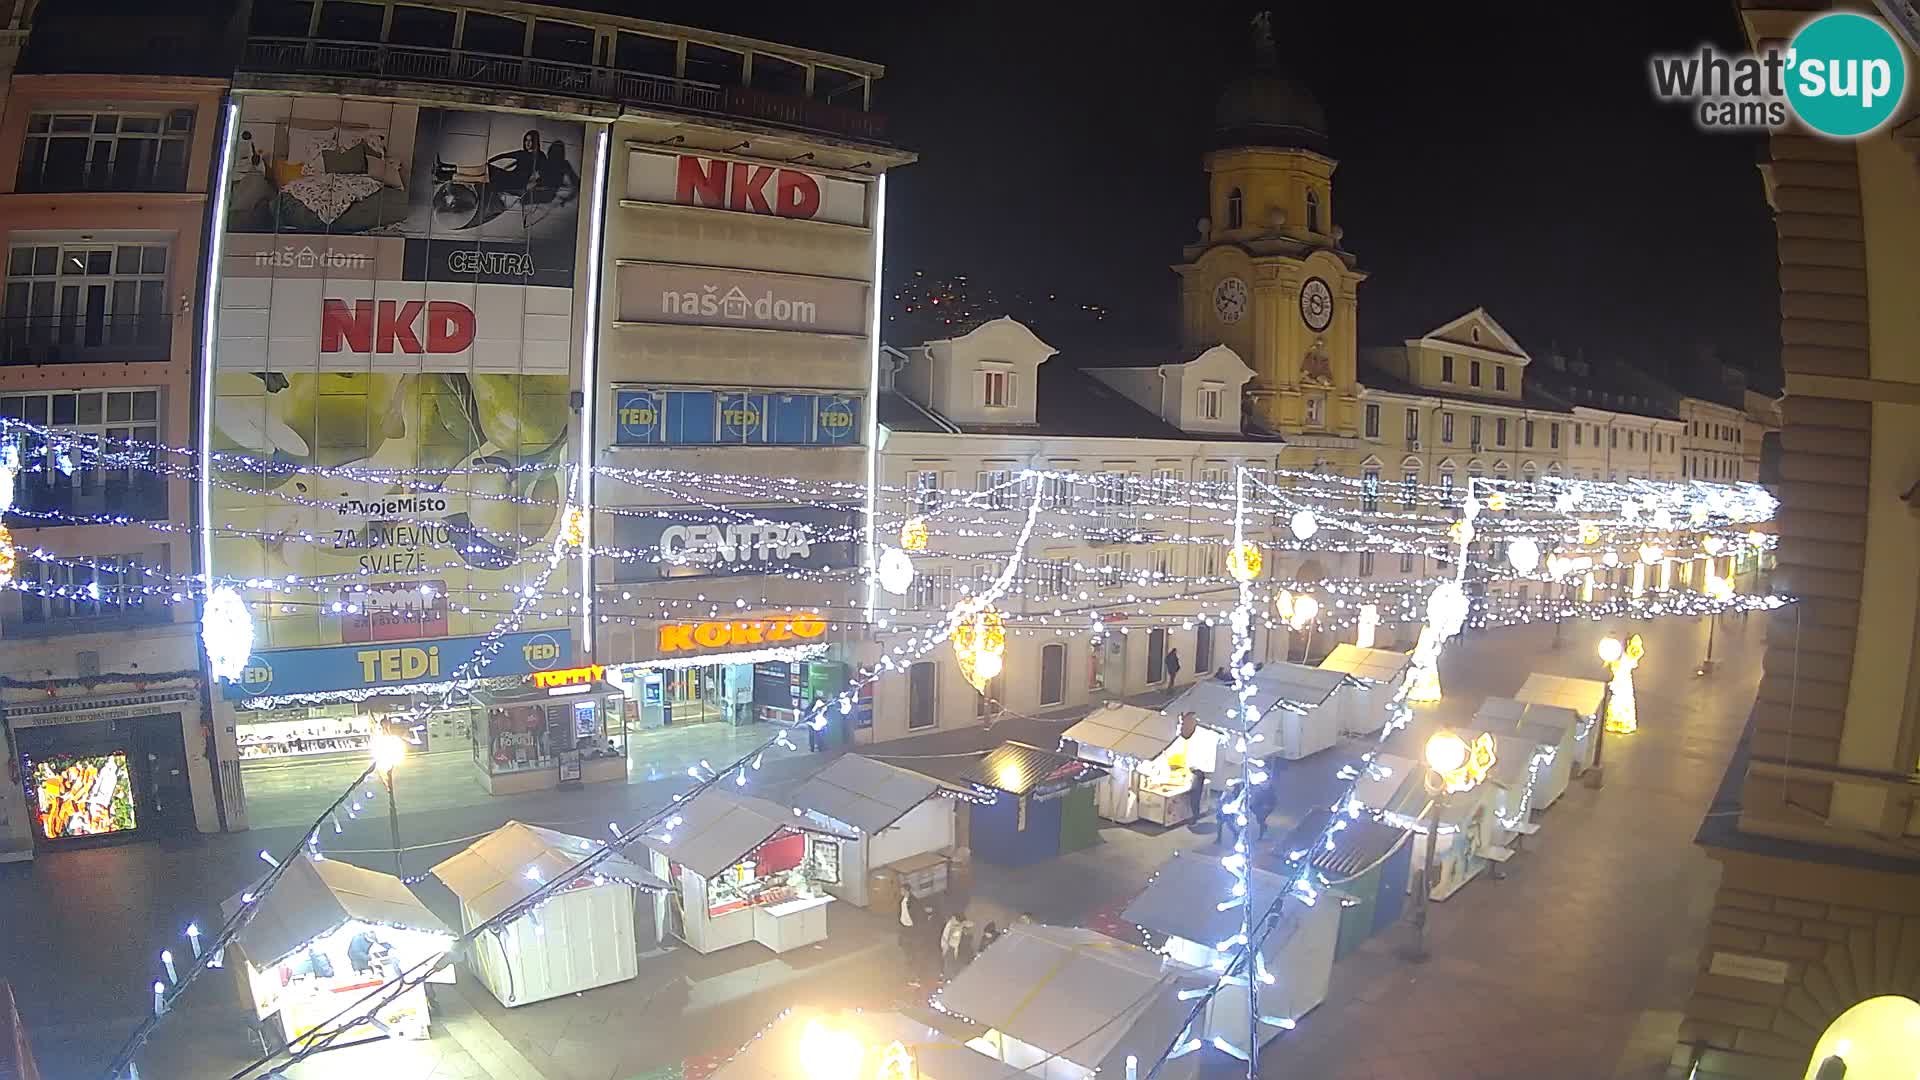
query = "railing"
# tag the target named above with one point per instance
(349, 58)
(84, 339)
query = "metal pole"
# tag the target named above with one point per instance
(1596, 778)
(1713, 624)
(393, 823)
(1423, 903)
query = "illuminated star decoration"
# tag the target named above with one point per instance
(980, 645)
(1244, 561)
(913, 534)
(226, 629)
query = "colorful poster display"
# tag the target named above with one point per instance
(83, 795)
(396, 306)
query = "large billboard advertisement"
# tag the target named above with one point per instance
(396, 307)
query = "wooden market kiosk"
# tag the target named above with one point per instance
(740, 869)
(1298, 708)
(1379, 673)
(904, 823)
(552, 728)
(1550, 726)
(1584, 697)
(325, 936)
(1149, 779)
(1036, 804)
(582, 936)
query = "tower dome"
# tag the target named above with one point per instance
(1265, 108)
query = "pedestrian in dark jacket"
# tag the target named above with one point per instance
(1173, 666)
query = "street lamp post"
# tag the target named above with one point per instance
(389, 751)
(1446, 753)
(1610, 651)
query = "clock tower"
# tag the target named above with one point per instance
(1267, 275)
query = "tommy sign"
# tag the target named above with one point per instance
(705, 296)
(744, 187)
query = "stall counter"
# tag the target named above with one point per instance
(1166, 802)
(792, 924)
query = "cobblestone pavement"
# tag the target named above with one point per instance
(1576, 965)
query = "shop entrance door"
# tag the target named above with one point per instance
(162, 750)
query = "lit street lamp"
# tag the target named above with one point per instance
(1447, 755)
(389, 750)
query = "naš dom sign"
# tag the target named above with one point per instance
(774, 630)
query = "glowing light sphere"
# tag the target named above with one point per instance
(913, 534)
(1713, 545)
(1305, 608)
(1611, 558)
(1610, 649)
(1697, 514)
(1651, 553)
(1283, 603)
(1756, 539)
(1244, 561)
(828, 1053)
(226, 630)
(1662, 518)
(1446, 752)
(1447, 609)
(389, 750)
(1303, 525)
(895, 571)
(1629, 510)
(1874, 1038)
(1470, 508)
(1524, 554)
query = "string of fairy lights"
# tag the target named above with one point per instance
(1549, 531)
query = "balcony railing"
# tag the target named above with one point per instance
(464, 67)
(85, 339)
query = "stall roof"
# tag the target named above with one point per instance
(718, 828)
(317, 896)
(1356, 848)
(1506, 713)
(1581, 695)
(1019, 769)
(1512, 760)
(1078, 994)
(776, 1053)
(1127, 730)
(1383, 779)
(492, 874)
(864, 792)
(1213, 701)
(1374, 665)
(1182, 899)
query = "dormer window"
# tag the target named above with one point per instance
(996, 388)
(1212, 402)
(1313, 211)
(1236, 209)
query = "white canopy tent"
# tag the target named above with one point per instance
(1138, 745)
(1182, 901)
(897, 814)
(1549, 725)
(1292, 702)
(891, 1046)
(1379, 673)
(580, 937)
(1063, 1004)
(1583, 696)
(742, 869)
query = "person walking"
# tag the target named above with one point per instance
(964, 950)
(1173, 667)
(1201, 749)
(909, 938)
(950, 945)
(816, 738)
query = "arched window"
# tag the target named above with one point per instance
(1529, 473)
(1313, 211)
(1236, 209)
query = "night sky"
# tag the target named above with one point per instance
(1506, 155)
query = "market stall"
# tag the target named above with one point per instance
(1466, 831)
(580, 937)
(1549, 726)
(743, 869)
(1143, 748)
(1583, 696)
(903, 825)
(1369, 866)
(1515, 778)
(1039, 804)
(1064, 1004)
(553, 728)
(859, 1046)
(1183, 902)
(1378, 673)
(1381, 780)
(322, 938)
(1297, 709)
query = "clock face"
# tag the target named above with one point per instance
(1316, 304)
(1230, 299)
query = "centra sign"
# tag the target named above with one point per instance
(776, 630)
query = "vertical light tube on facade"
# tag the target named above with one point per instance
(209, 303)
(589, 378)
(873, 386)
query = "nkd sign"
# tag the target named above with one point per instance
(704, 296)
(744, 187)
(414, 327)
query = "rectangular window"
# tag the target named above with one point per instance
(101, 592)
(1406, 562)
(1203, 648)
(1409, 487)
(1413, 427)
(1206, 561)
(87, 302)
(1055, 491)
(1499, 376)
(1366, 564)
(1578, 431)
(1373, 421)
(1370, 490)
(106, 151)
(1053, 674)
(922, 684)
(1446, 428)
(1473, 432)
(121, 423)
(1167, 484)
(997, 485)
(1160, 560)
(1500, 431)
(997, 389)
(1613, 438)
(926, 490)
(1446, 369)
(1211, 398)
(1527, 434)
(1473, 373)
(1446, 484)
(1553, 436)
(1053, 577)
(1316, 410)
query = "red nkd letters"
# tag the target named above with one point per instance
(388, 326)
(736, 185)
